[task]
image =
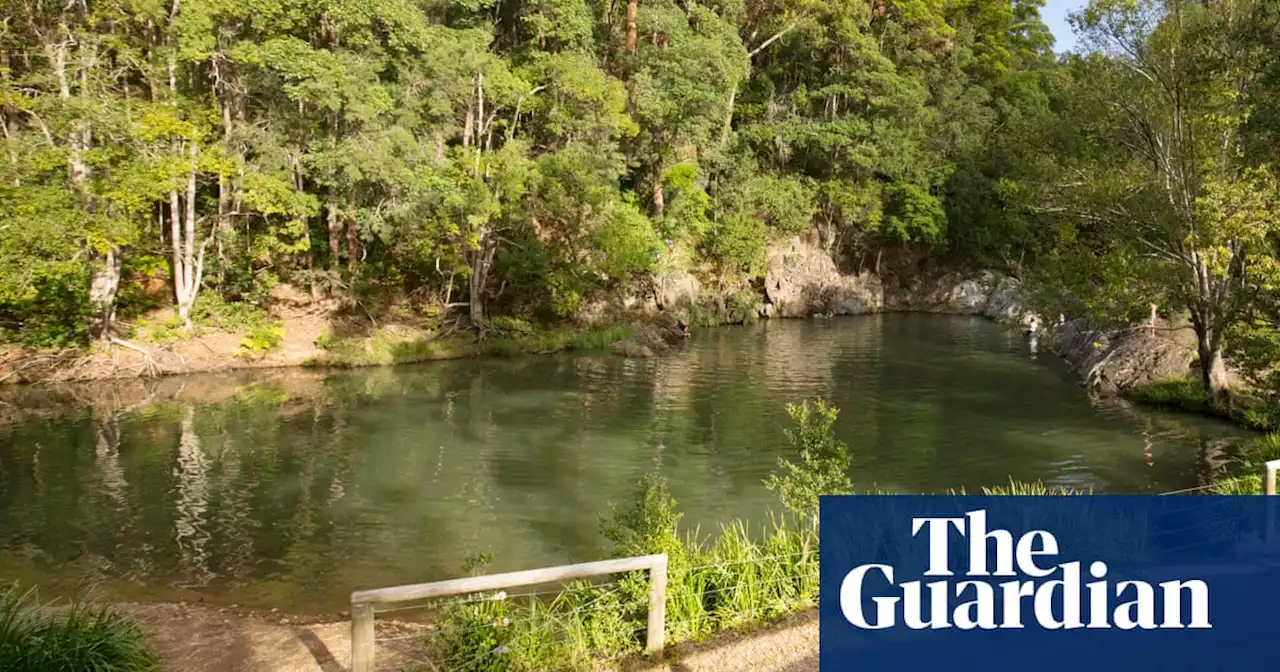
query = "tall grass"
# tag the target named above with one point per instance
(1244, 473)
(35, 638)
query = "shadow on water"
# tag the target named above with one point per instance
(291, 488)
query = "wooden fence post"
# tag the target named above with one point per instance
(1269, 488)
(657, 608)
(362, 637)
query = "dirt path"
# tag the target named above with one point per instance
(205, 639)
(788, 646)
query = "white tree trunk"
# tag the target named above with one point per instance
(481, 259)
(102, 292)
(188, 257)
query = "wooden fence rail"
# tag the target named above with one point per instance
(364, 602)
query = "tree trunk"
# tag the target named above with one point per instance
(335, 234)
(631, 26)
(477, 280)
(188, 257)
(102, 292)
(728, 118)
(659, 198)
(352, 243)
(1213, 368)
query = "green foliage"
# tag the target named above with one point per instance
(1188, 395)
(49, 310)
(647, 524)
(1244, 473)
(212, 311)
(823, 466)
(916, 215)
(1033, 488)
(260, 340)
(429, 153)
(1178, 394)
(35, 638)
(743, 308)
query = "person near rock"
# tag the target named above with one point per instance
(684, 328)
(1151, 322)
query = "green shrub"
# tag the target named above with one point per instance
(169, 331)
(823, 468)
(34, 638)
(1178, 394)
(211, 310)
(1188, 395)
(743, 307)
(260, 340)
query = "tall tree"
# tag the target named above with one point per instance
(1167, 193)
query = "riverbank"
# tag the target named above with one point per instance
(294, 339)
(294, 330)
(801, 280)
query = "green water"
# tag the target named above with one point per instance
(293, 492)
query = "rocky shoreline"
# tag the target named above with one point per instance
(803, 280)
(800, 280)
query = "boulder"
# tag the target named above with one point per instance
(651, 339)
(1005, 303)
(677, 289)
(970, 296)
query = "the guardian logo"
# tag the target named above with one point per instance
(1054, 596)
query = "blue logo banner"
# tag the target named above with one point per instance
(1095, 583)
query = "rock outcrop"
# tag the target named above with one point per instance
(1116, 361)
(801, 279)
(676, 289)
(1006, 302)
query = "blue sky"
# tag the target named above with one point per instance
(1054, 14)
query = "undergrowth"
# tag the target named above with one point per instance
(507, 337)
(1188, 395)
(36, 638)
(1243, 475)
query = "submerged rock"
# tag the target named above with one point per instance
(651, 339)
(632, 350)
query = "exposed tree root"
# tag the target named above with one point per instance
(149, 366)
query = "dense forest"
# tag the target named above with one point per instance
(522, 157)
